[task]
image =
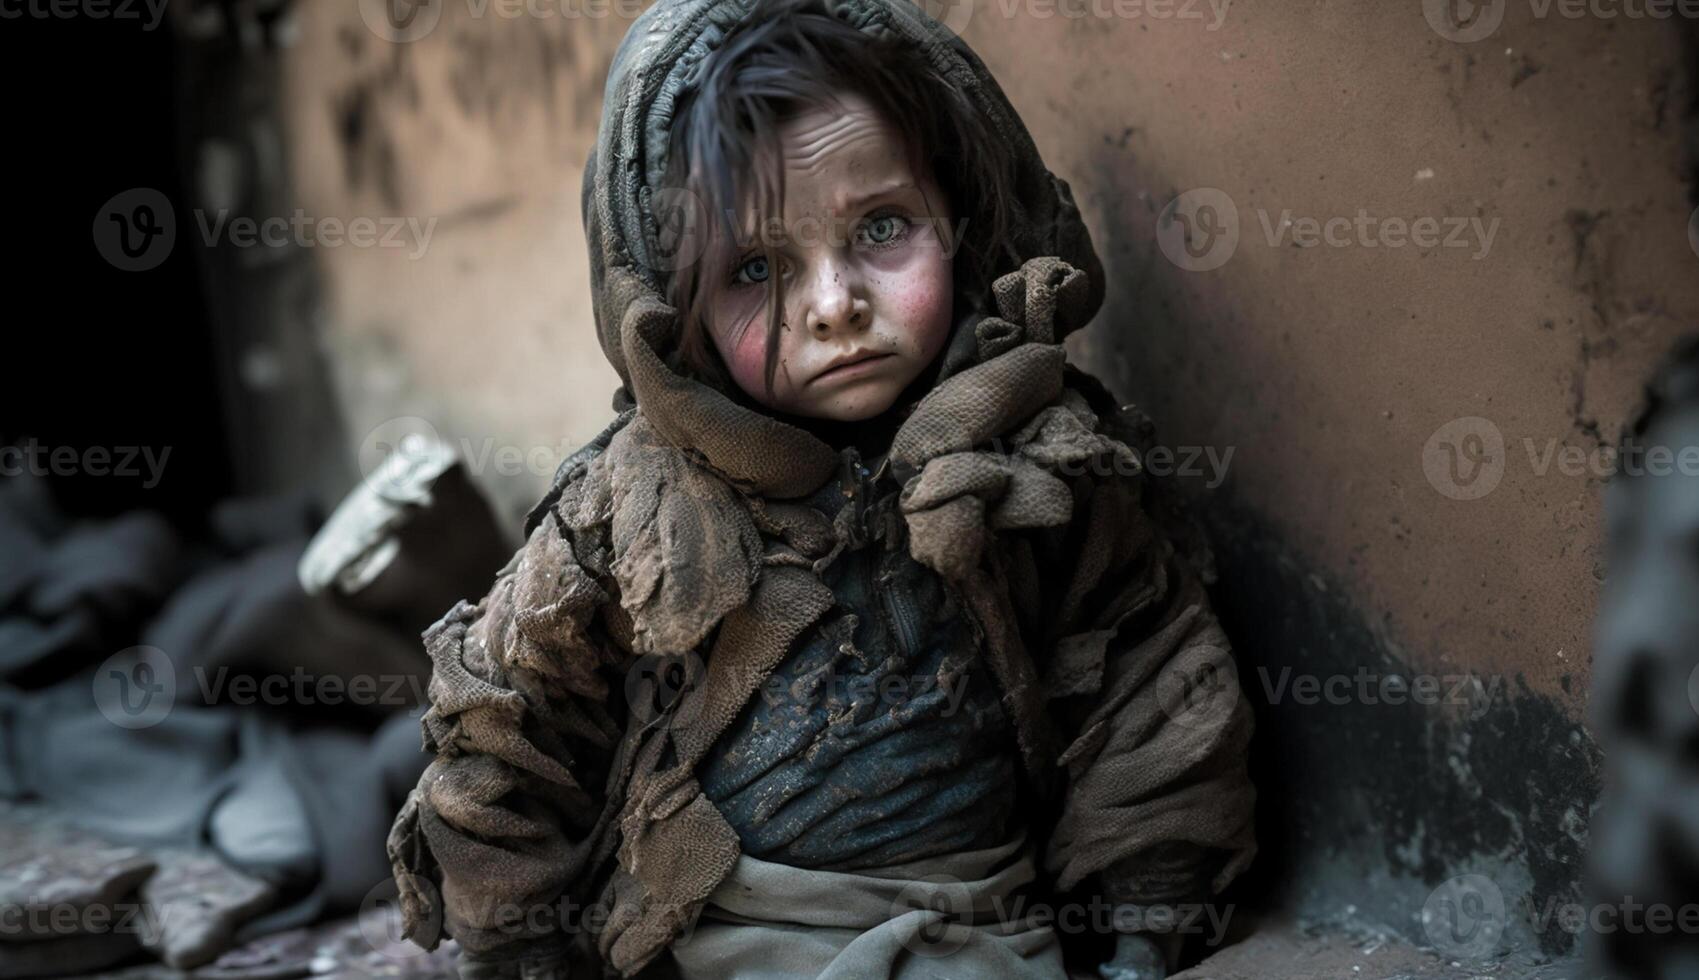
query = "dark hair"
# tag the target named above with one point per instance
(789, 56)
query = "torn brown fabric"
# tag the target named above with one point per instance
(523, 683)
(565, 769)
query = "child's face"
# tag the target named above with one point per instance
(867, 274)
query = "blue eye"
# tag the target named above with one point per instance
(883, 229)
(751, 272)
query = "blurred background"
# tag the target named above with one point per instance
(1389, 277)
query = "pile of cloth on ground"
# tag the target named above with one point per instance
(206, 731)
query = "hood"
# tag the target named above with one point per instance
(639, 331)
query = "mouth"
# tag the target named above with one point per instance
(851, 364)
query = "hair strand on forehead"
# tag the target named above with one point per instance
(785, 58)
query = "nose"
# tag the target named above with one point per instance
(836, 303)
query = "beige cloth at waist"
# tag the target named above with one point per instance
(935, 919)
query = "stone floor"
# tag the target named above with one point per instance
(149, 906)
(353, 947)
(43, 861)
(1285, 950)
(1275, 951)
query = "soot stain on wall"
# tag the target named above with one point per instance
(1496, 773)
(1501, 786)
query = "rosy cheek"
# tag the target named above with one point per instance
(748, 360)
(921, 295)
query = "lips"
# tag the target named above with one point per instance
(847, 363)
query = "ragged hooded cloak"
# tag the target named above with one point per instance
(679, 536)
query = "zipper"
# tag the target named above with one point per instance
(900, 610)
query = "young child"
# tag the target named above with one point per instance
(853, 639)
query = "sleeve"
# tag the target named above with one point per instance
(1158, 802)
(497, 845)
